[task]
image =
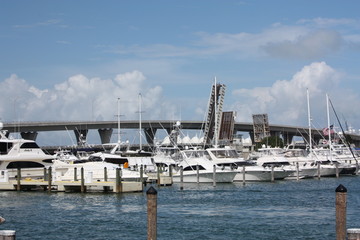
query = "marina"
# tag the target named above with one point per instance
(281, 210)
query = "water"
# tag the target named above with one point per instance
(282, 210)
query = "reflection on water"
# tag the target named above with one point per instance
(282, 210)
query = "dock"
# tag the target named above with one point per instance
(71, 186)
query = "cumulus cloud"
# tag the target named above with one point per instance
(285, 100)
(82, 98)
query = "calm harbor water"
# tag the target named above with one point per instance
(302, 209)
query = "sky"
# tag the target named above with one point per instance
(72, 60)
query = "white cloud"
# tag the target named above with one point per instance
(81, 98)
(285, 100)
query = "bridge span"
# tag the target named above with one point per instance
(30, 130)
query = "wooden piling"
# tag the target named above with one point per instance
(197, 174)
(272, 173)
(297, 171)
(7, 235)
(214, 176)
(75, 174)
(340, 202)
(337, 169)
(45, 174)
(244, 174)
(118, 180)
(319, 170)
(49, 179)
(158, 175)
(18, 186)
(181, 178)
(142, 174)
(151, 195)
(105, 174)
(170, 174)
(353, 234)
(82, 188)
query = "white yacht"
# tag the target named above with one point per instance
(22, 154)
(201, 169)
(228, 158)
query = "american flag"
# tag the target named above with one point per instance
(326, 130)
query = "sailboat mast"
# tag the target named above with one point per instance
(309, 119)
(140, 140)
(216, 112)
(118, 118)
(329, 130)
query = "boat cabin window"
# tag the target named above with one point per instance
(225, 153)
(5, 147)
(192, 168)
(29, 145)
(24, 164)
(116, 160)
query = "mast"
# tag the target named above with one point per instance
(309, 119)
(216, 112)
(329, 130)
(118, 118)
(140, 140)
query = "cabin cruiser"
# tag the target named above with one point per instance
(201, 169)
(22, 154)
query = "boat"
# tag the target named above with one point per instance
(200, 169)
(23, 154)
(229, 158)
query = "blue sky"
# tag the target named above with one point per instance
(71, 60)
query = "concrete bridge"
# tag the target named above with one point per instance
(30, 130)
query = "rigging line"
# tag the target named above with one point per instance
(346, 141)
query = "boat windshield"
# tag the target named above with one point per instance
(225, 153)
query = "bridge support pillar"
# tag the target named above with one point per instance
(81, 136)
(150, 135)
(105, 135)
(288, 137)
(29, 135)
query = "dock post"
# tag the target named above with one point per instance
(105, 174)
(319, 169)
(297, 171)
(244, 174)
(170, 174)
(75, 174)
(272, 173)
(82, 181)
(337, 169)
(18, 186)
(181, 178)
(214, 176)
(340, 202)
(353, 234)
(158, 175)
(7, 234)
(50, 179)
(118, 180)
(142, 174)
(197, 173)
(151, 195)
(45, 175)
